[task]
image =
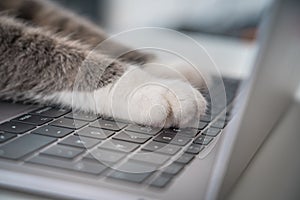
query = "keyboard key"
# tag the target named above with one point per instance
(185, 158)
(84, 166)
(173, 169)
(161, 181)
(133, 171)
(79, 141)
(172, 138)
(114, 119)
(111, 125)
(188, 132)
(169, 149)
(180, 140)
(143, 129)
(150, 157)
(24, 145)
(15, 127)
(53, 131)
(33, 119)
(50, 112)
(154, 146)
(69, 123)
(96, 133)
(202, 125)
(82, 116)
(6, 136)
(211, 132)
(203, 140)
(220, 124)
(161, 148)
(118, 145)
(194, 149)
(104, 156)
(132, 166)
(131, 177)
(132, 137)
(63, 151)
(206, 118)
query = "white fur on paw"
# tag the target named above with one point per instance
(148, 100)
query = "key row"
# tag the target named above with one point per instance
(132, 170)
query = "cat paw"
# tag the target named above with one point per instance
(145, 99)
(165, 104)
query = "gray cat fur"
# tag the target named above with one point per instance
(45, 48)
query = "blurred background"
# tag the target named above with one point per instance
(232, 18)
(227, 29)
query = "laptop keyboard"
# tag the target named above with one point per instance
(93, 145)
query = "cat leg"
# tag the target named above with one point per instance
(62, 21)
(36, 65)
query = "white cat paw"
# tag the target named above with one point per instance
(144, 99)
(165, 104)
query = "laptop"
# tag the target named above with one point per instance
(62, 154)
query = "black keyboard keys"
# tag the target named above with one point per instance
(161, 181)
(211, 132)
(163, 148)
(111, 125)
(132, 137)
(104, 156)
(188, 132)
(33, 119)
(133, 171)
(150, 157)
(51, 112)
(96, 133)
(79, 141)
(63, 151)
(131, 177)
(172, 138)
(206, 118)
(220, 124)
(202, 125)
(53, 131)
(16, 127)
(203, 140)
(82, 116)
(173, 169)
(185, 158)
(24, 145)
(69, 123)
(143, 129)
(136, 167)
(83, 166)
(6, 136)
(194, 149)
(118, 145)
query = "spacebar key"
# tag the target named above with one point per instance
(24, 145)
